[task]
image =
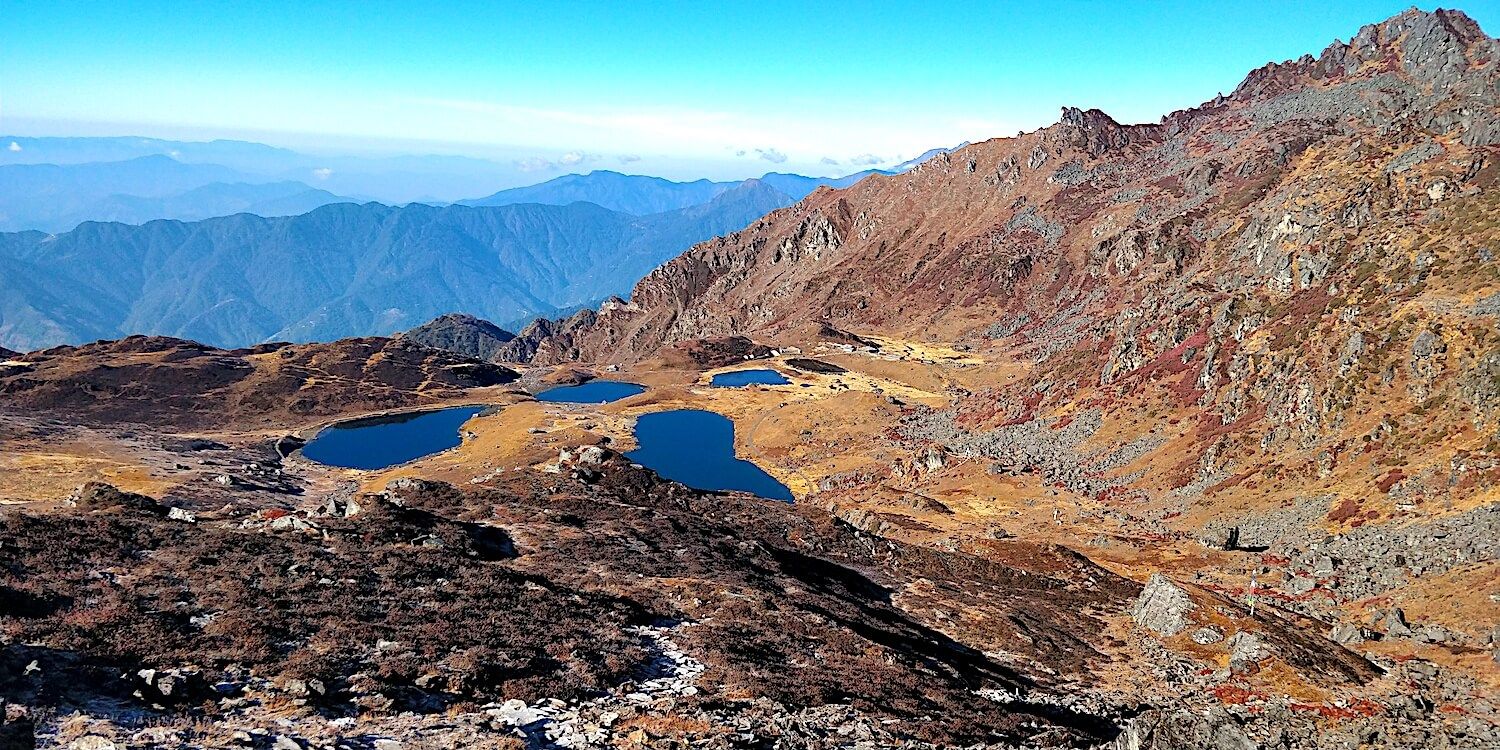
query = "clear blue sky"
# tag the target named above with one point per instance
(846, 82)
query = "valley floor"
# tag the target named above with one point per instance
(1296, 631)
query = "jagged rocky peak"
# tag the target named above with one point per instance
(1438, 49)
(1097, 133)
(464, 334)
(551, 340)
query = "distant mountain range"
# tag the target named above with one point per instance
(396, 179)
(640, 194)
(204, 241)
(924, 156)
(389, 179)
(57, 198)
(340, 270)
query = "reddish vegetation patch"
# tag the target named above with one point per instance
(1211, 427)
(1344, 511)
(1170, 361)
(1186, 391)
(1232, 694)
(1230, 482)
(1297, 320)
(1119, 495)
(1358, 709)
(1389, 480)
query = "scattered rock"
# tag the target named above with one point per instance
(1206, 635)
(1181, 730)
(1347, 634)
(1394, 623)
(1246, 649)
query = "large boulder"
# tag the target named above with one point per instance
(1181, 730)
(1163, 606)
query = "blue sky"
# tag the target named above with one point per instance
(747, 87)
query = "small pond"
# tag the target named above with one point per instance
(592, 392)
(380, 442)
(696, 448)
(741, 378)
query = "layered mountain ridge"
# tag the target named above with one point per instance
(643, 194)
(341, 270)
(57, 198)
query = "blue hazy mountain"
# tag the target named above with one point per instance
(391, 179)
(640, 194)
(340, 270)
(58, 197)
(627, 193)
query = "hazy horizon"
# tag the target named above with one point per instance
(726, 95)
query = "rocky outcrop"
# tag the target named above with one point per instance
(98, 496)
(461, 334)
(163, 380)
(807, 364)
(546, 340)
(706, 354)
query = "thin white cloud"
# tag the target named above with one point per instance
(15, 146)
(865, 160)
(675, 131)
(576, 157)
(535, 164)
(628, 158)
(322, 173)
(830, 161)
(771, 155)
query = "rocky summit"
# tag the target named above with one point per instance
(1139, 437)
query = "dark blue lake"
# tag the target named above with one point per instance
(696, 448)
(592, 392)
(740, 378)
(379, 442)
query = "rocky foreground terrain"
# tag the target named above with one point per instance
(1163, 436)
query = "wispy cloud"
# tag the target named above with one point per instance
(534, 164)
(771, 155)
(830, 161)
(322, 173)
(628, 158)
(576, 157)
(675, 131)
(15, 146)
